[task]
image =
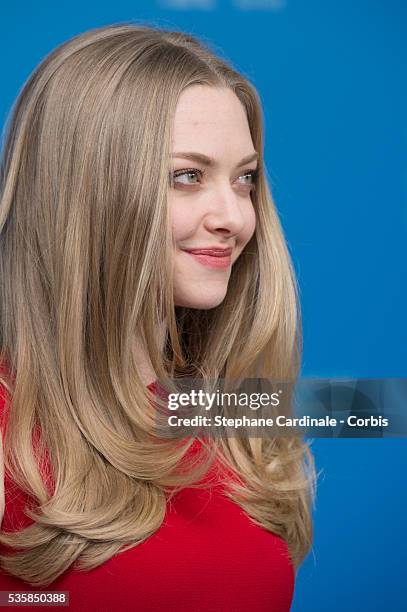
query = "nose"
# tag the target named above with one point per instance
(225, 211)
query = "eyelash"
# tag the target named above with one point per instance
(202, 173)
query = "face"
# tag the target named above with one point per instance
(213, 175)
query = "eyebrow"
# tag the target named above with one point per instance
(209, 161)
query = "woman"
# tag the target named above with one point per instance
(139, 241)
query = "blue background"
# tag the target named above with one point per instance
(332, 78)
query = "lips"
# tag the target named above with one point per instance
(213, 252)
(212, 257)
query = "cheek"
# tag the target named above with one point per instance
(183, 221)
(249, 224)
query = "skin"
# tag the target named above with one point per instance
(215, 209)
(211, 210)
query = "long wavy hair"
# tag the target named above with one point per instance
(85, 267)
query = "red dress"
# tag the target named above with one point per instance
(207, 556)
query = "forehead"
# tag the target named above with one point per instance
(209, 118)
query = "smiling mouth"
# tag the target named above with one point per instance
(212, 258)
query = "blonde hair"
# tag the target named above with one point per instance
(85, 265)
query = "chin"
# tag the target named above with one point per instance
(200, 301)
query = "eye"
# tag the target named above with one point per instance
(187, 176)
(250, 179)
